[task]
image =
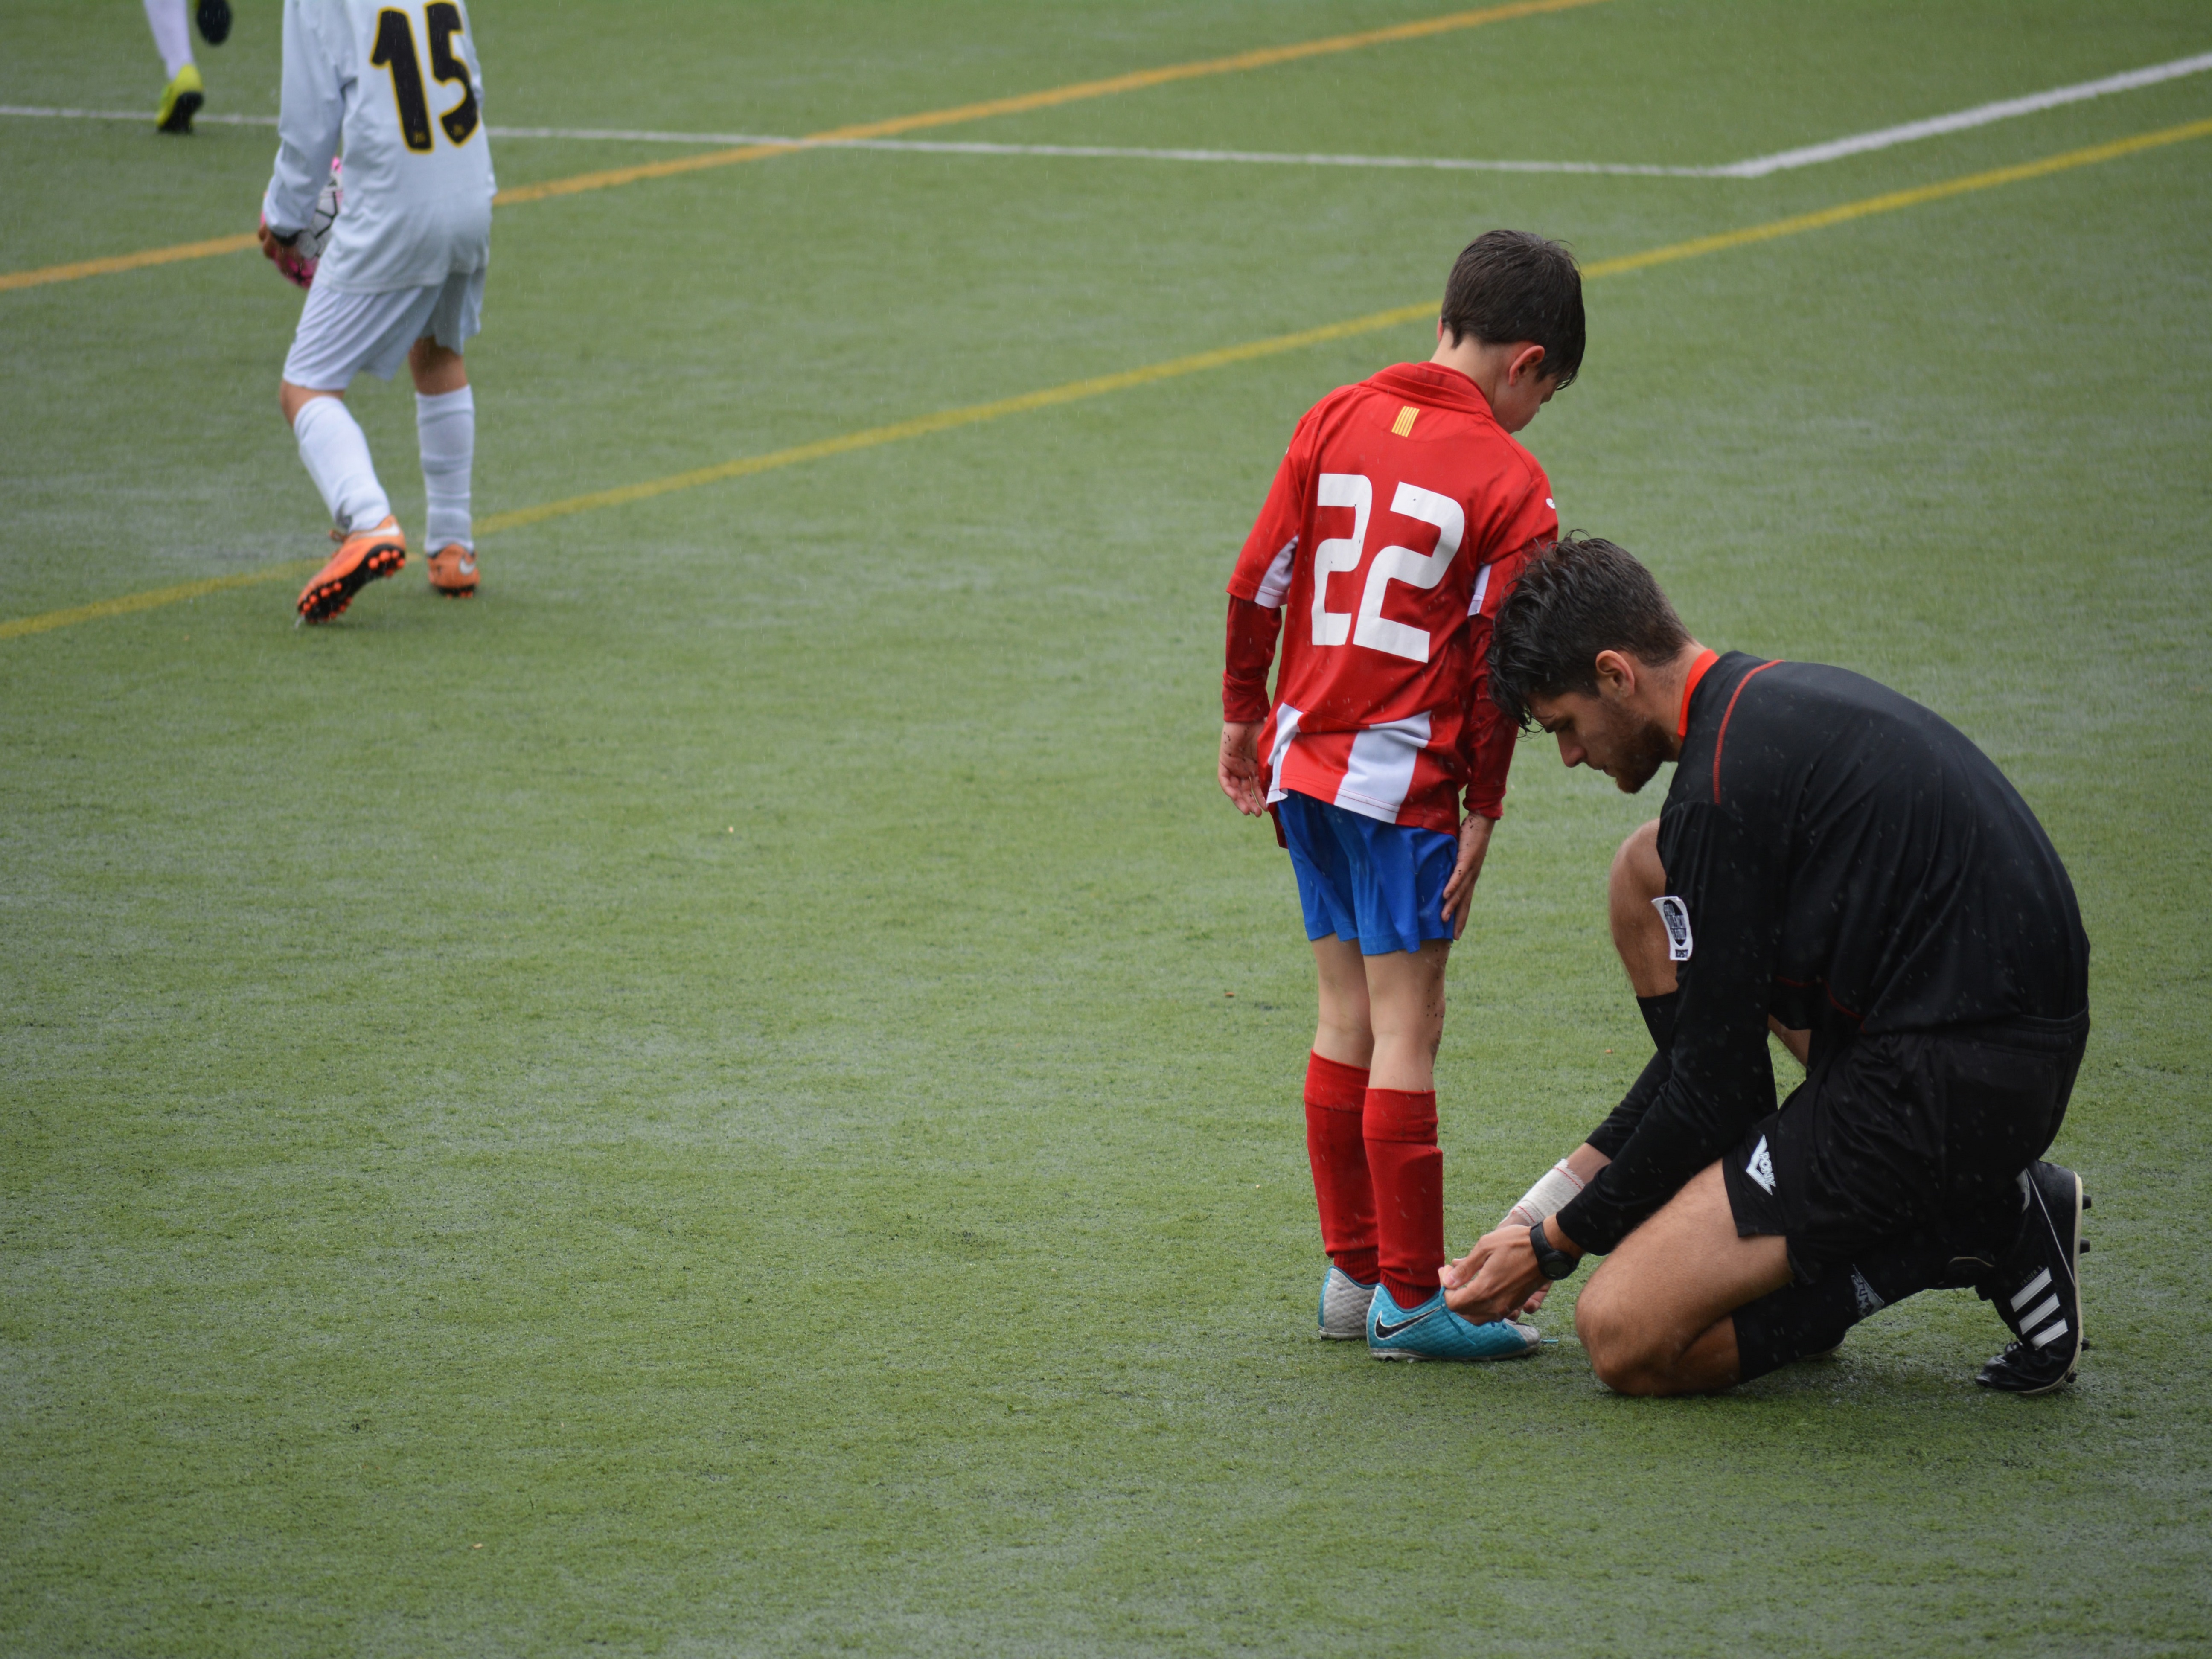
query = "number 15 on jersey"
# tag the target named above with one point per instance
(395, 52)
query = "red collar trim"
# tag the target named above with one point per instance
(1705, 659)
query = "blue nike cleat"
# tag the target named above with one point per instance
(1344, 1302)
(1432, 1331)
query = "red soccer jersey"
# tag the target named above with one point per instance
(1397, 523)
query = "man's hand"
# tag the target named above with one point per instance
(1497, 1276)
(1459, 891)
(1239, 771)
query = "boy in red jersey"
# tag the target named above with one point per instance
(1399, 519)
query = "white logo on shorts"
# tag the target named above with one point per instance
(1869, 1303)
(1675, 915)
(1761, 1167)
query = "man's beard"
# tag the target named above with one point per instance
(1641, 757)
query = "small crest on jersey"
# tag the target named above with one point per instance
(1403, 426)
(1674, 916)
(1761, 1167)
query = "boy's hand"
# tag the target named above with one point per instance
(1239, 770)
(1459, 891)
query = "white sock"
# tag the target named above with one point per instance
(336, 458)
(446, 425)
(171, 37)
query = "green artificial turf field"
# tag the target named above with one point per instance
(739, 1092)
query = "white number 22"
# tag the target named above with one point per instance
(1400, 564)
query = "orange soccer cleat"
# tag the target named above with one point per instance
(454, 571)
(362, 557)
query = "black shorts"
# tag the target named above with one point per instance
(1917, 1134)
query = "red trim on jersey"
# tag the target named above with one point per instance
(1705, 659)
(1721, 737)
(1808, 984)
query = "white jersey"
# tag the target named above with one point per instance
(395, 84)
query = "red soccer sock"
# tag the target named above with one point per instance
(1336, 1098)
(1408, 1168)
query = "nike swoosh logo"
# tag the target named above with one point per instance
(1384, 1333)
(468, 567)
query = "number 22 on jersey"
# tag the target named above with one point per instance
(1392, 564)
(395, 52)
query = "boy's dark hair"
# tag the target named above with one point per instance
(1578, 597)
(1510, 285)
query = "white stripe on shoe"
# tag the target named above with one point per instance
(2029, 1322)
(2035, 1287)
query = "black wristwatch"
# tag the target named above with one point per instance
(1552, 1262)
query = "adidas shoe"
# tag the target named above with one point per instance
(2037, 1288)
(361, 558)
(214, 18)
(181, 101)
(1432, 1331)
(454, 571)
(1344, 1302)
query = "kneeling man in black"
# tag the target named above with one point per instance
(1839, 864)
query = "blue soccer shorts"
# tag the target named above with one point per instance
(1360, 878)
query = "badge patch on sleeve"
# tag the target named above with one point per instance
(1675, 916)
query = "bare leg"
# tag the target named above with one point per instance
(1656, 1316)
(293, 398)
(1405, 1010)
(1342, 1033)
(436, 369)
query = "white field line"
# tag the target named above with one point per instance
(1758, 167)
(43, 111)
(946, 146)
(1980, 116)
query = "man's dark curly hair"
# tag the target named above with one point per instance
(1578, 597)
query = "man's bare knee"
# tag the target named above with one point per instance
(1605, 1328)
(1628, 1356)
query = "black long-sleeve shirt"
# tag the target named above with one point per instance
(1846, 861)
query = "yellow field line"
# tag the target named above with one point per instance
(151, 599)
(139, 261)
(607, 178)
(1021, 103)
(1891, 202)
(947, 420)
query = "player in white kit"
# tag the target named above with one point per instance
(172, 39)
(397, 86)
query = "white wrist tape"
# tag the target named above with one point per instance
(1547, 1197)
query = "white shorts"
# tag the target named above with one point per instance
(340, 335)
